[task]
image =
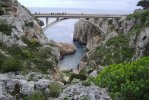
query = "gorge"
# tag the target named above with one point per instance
(115, 66)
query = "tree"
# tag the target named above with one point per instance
(144, 4)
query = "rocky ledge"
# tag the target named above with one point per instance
(14, 86)
(80, 92)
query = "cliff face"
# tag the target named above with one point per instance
(126, 39)
(19, 28)
(19, 22)
(25, 53)
(86, 33)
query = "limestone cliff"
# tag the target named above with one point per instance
(126, 39)
(25, 53)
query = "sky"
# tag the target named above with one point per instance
(90, 4)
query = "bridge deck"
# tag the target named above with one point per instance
(71, 15)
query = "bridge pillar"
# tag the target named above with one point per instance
(47, 21)
(96, 20)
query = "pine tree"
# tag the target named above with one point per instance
(144, 4)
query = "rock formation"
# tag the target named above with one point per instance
(126, 39)
(66, 49)
(24, 49)
(78, 91)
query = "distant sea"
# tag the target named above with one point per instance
(63, 32)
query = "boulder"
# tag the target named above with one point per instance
(66, 49)
(93, 74)
(42, 84)
(78, 92)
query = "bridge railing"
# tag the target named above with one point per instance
(77, 15)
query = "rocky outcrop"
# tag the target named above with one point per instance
(126, 39)
(140, 43)
(13, 86)
(78, 91)
(86, 33)
(19, 22)
(66, 49)
(24, 49)
(19, 28)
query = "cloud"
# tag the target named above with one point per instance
(91, 4)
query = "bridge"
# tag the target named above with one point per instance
(62, 16)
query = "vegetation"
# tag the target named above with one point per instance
(10, 64)
(55, 89)
(29, 24)
(31, 43)
(126, 81)
(37, 96)
(81, 76)
(143, 3)
(22, 58)
(5, 29)
(116, 50)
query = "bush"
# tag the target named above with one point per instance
(116, 50)
(37, 96)
(128, 81)
(10, 64)
(80, 76)
(6, 29)
(29, 24)
(55, 89)
(31, 43)
(26, 53)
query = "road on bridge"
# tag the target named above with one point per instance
(76, 15)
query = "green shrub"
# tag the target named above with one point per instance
(11, 64)
(142, 16)
(29, 24)
(128, 81)
(86, 83)
(6, 29)
(26, 53)
(116, 50)
(85, 98)
(37, 96)
(80, 76)
(55, 89)
(31, 43)
(1, 59)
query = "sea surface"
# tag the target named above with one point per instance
(63, 32)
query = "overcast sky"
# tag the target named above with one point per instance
(91, 4)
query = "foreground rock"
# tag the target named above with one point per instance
(66, 49)
(23, 49)
(80, 92)
(25, 85)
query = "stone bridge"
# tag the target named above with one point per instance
(62, 16)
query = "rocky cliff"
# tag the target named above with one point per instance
(126, 39)
(27, 57)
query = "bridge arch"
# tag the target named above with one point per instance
(73, 15)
